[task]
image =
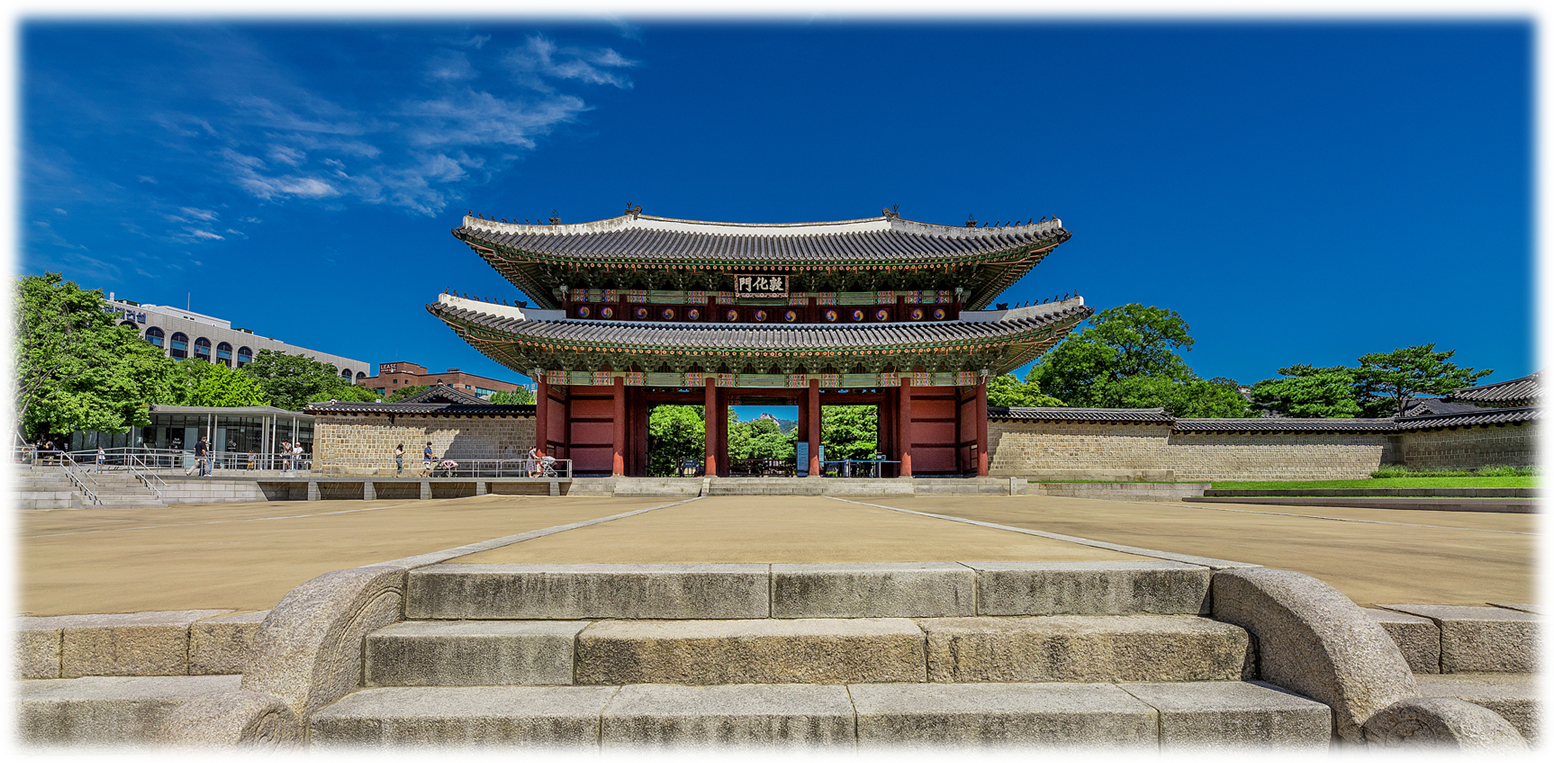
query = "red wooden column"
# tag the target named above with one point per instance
(904, 425)
(814, 427)
(618, 467)
(710, 411)
(982, 454)
(541, 413)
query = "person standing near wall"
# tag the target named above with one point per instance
(427, 460)
(285, 455)
(399, 460)
(102, 458)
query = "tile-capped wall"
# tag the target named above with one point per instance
(364, 445)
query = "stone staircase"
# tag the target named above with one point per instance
(1103, 655)
(50, 488)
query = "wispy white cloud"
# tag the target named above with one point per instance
(450, 66)
(146, 179)
(541, 59)
(198, 214)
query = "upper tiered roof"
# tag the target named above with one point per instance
(1527, 390)
(536, 257)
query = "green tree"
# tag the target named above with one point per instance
(404, 392)
(347, 393)
(216, 385)
(75, 368)
(1007, 389)
(674, 432)
(1389, 381)
(291, 381)
(849, 431)
(1309, 391)
(522, 396)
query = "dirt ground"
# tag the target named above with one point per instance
(247, 556)
(1371, 555)
(784, 529)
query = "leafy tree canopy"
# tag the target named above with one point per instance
(1388, 381)
(520, 397)
(849, 431)
(76, 369)
(1309, 391)
(1006, 389)
(1128, 357)
(216, 385)
(674, 432)
(354, 393)
(404, 392)
(292, 381)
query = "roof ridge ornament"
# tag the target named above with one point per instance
(971, 220)
(554, 220)
(893, 213)
(633, 211)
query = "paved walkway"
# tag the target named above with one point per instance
(246, 556)
(784, 529)
(1371, 555)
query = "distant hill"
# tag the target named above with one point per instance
(784, 426)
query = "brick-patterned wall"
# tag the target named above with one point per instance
(1026, 447)
(1471, 447)
(365, 444)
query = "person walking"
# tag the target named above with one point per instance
(102, 459)
(202, 456)
(252, 457)
(285, 455)
(427, 460)
(296, 455)
(399, 460)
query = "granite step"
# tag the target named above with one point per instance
(1183, 716)
(1515, 696)
(105, 710)
(732, 591)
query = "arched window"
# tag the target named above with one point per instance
(202, 348)
(361, 375)
(345, 374)
(154, 336)
(178, 348)
(224, 354)
(244, 356)
(131, 324)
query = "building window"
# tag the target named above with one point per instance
(154, 336)
(179, 346)
(224, 354)
(244, 356)
(132, 325)
(361, 375)
(346, 374)
(202, 349)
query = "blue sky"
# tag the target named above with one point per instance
(1299, 192)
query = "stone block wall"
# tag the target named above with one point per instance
(364, 445)
(1471, 447)
(1021, 448)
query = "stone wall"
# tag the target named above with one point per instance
(364, 445)
(1021, 448)
(1472, 447)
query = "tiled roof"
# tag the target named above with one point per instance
(1514, 392)
(1485, 417)
(445, 394)
(1479, 417)
(335, 407)
(744, 337)
(646, 237)
(1284, 425)
(1097, 415)
(1430, 406)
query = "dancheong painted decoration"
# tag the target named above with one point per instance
(624, 313)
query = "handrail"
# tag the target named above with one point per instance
(70, 473)
(467, 467)
(143, 474)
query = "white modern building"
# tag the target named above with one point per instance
(184, 334)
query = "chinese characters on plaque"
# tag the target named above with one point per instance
(760, 286)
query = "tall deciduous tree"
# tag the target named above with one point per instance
(291, 381)
(674, 432)
(1128, 357)
(849, 431)
(1388, 381)
(1309, 391)
(522, 396)
(1007, 389)
(216, 385)
(404, 392)
(75, 368)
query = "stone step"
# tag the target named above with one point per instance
(472, 653)
(1515, 696)
(105, 710)
(1224, 715)
(731, 591)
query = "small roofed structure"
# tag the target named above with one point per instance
(1527, 390)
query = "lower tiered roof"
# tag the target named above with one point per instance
(525, 340)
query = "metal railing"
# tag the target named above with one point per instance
(171, 461)
(559, 468)
(73, 471)
(138, 469)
